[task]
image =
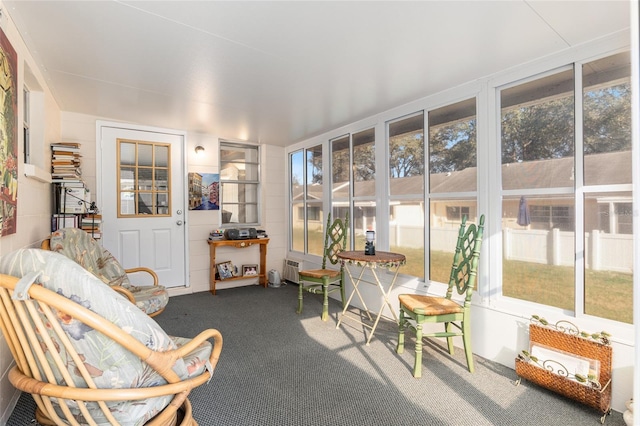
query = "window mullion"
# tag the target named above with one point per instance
(579, 234)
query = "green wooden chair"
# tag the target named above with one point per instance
(416, 310)
(324, 281)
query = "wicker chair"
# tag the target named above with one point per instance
(79, 246)
(89, 356)
(416, 310)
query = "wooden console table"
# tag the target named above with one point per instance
(262, 270)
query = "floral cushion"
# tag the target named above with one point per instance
(79, 246)
(110, 365)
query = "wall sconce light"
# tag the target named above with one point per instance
(199, 149)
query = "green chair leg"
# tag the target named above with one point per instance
(466, 339)
(300, 288)
(401, 325)
(417, 366)
(344, 300)
(447, 329)
(325, 300)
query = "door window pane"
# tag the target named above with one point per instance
(161, 181)
(127, 154)
(145, 179)
(161, 158)
(145, 155)
(127, 178)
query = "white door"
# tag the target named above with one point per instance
(142, 199)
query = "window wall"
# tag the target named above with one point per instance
(240, 183)
(406, 190)
(453, 178)
(566, 189)
(554, 181)
(306, 193)
(353, 182)
(538, 184)
(608, 210)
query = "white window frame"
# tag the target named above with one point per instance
(226, 143)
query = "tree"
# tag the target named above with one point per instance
(452, 147)
(406, 155)
(540, 131)
(607, 119)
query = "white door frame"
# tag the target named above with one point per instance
(100, 124)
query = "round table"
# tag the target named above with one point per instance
(365, 262)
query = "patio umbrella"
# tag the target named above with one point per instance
(523, 213)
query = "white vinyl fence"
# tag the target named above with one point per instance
(603, 251)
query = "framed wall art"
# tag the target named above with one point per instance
(8, 136)
(204, 192)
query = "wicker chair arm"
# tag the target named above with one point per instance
(144, 269)
(126, 293)
(33, 386)
(201, 337)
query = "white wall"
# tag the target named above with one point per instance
(34, 197)
(82, 128)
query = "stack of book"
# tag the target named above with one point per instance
(65, 163)
(91, 224)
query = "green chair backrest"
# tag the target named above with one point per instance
(335, 240)
(465, 259)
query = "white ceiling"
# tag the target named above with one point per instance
(280, 72)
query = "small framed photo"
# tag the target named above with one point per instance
(249, 270)
(225, 269)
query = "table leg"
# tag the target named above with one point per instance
(385, 296)
(212, 269)
(263, 266)
(353, 292)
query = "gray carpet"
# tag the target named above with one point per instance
(278, 368)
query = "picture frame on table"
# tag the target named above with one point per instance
(249, 270)
(225, 269)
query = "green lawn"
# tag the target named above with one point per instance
(607, 294)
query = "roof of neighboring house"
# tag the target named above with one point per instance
(605, 168)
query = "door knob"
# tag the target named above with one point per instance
(179, 222)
